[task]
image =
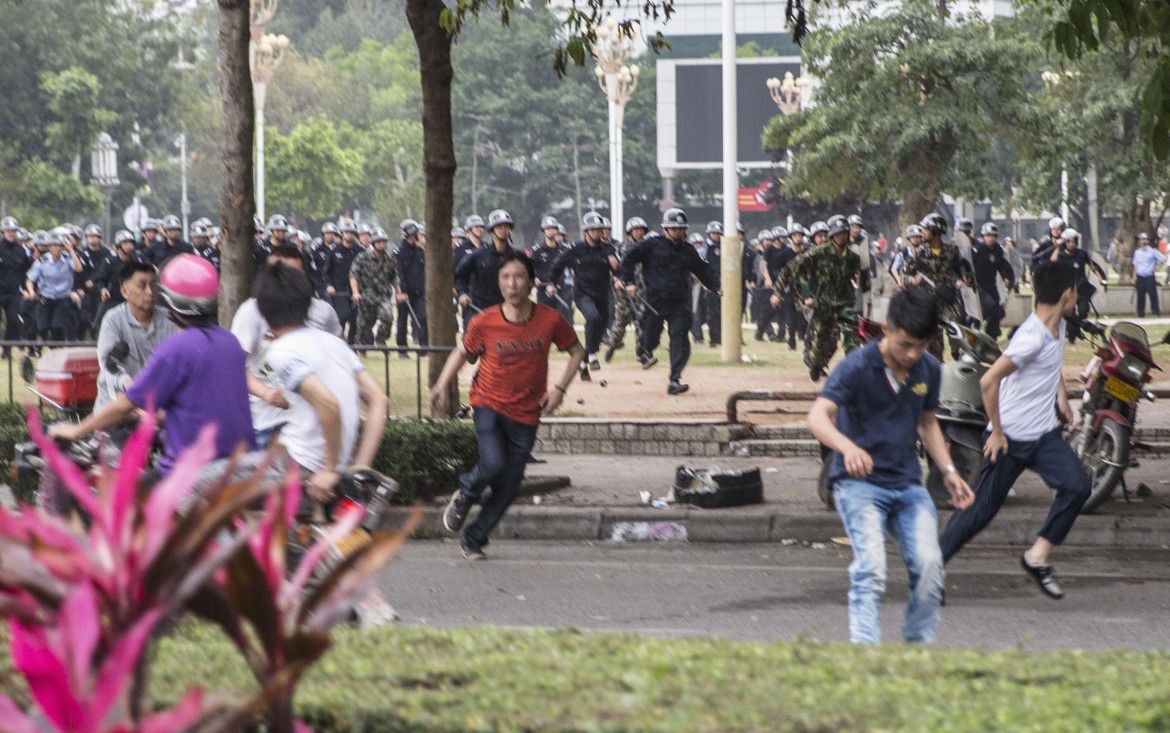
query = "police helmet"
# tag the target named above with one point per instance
(1070, 235)
(170, 221)
(74, 231)
(378, 234)
(562, 231)
(409, 228)
(935, 222)
(714, 227)
(592, 220)
(9, 224)
(964, 225)
(837, 225)
(23, 235)
(635, 222)
(818, 227)
(41, 238)
(199, 230)
(475, 220)
(695, 238)
(123, 235)
(913, 231)
(764, 235)
(989, 228)
(329, 228)
(257, 224)
(458, 232)
(202, 221)
(548, 222)
(779, 233)
(1056, 223)
(93, 230)
(674, 219)
(60, 234)
(797, 229)
(1144, 236)
(349, 225)
(277, 223)
(855, 220)
(364, 228)
(498, 217)
(152, 225)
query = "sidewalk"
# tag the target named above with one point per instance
(604, 492)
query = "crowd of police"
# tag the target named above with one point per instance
(799, 285)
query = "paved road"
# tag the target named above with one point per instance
(1116, 598)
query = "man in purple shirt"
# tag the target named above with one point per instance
(196, 377)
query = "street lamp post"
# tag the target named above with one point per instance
(104, 172)
(617, 80)
(789, 97)
(1052, 80)
(267, 53)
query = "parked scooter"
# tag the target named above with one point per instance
(961, 413)
(1115, 380)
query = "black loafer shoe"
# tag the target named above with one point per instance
(1044, 576)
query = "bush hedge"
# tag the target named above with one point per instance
(425, 457)
(490, 679)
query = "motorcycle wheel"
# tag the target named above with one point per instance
(968, 459)
(823, 490)
(1105, 459)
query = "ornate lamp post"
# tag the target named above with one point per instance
(617, 80)
(267, 53)
(788, 94)
(103, 165)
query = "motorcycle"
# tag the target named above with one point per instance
(1114, 382)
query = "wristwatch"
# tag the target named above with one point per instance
(950, 469)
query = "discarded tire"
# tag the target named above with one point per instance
(714, 489)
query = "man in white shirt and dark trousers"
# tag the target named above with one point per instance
(1022, 391)
(1146, 260)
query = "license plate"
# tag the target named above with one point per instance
(1121, 390)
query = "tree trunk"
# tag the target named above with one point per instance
(915, 205)
(434, 55)
(1135, 219)
(237, 200)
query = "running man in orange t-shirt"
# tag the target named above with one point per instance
(509, 393)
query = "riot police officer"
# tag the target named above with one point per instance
(593, 262)
(201, 240)
(412, 303)
(336, 278)
(14, 263)
(477, 279)
(666, 262)
(543, 255)
(988, 260)
(171, 244)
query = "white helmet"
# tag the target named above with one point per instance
(1056, 223)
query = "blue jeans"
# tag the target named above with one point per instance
(504, 445)
(868, 512)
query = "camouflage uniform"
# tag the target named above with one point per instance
(943, 268)
(626, 309)
(829, 279)
(376, 278)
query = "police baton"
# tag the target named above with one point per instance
(410, 308)
(646, 304)
(561, 300)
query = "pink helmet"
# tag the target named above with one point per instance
(189, 286)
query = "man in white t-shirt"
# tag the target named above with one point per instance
(324, 382)
(1022, 391)
(267, 402)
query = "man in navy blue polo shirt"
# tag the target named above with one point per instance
(874, 408)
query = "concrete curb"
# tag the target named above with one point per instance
(596, 523)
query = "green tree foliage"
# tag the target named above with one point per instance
(907, 100)
(308, 171)
(1094, 121)
(391, 181)
(73, 99)
(49, 196)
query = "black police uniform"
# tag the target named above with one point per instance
(93, 262)
(987, 262)
(666, 263)
(411, 262)
(592, 284)
(714, 306)
(543, 257)
(478, 275)
(211, 254)
(161, 250)
(14, 263)
(336, 275)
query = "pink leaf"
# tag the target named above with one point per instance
(12, 720)
(181, 717)
(79, 624)
(313, 557)
(47, 678)
(71, 476)
(165, 499)
(119, 667)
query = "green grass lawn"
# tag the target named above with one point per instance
(490, 679)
